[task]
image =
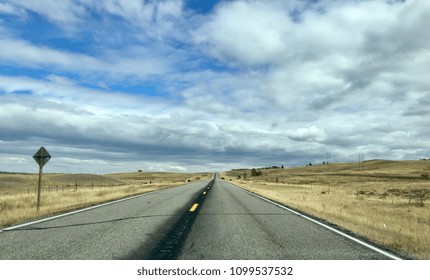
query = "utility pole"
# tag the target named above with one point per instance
(360, 162)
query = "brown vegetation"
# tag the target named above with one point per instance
(387, 201)
(66, 192)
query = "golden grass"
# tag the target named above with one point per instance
(66, 192)
(387, 202)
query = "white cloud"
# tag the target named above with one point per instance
(154, 18)
(61, 12)
(309, 134)
(6, 8)
(247, 32)
(257, 82)
(138, 12)
(27, 54)
(117, 66)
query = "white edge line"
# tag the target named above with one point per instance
(394, 257)
(77, 211)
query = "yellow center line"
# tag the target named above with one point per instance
(194, 207)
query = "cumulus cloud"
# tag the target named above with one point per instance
(244, 32)
(251, 83)
(309, 134)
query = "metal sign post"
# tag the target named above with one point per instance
(41, 157)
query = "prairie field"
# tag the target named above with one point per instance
(384, 201)
(66, 192)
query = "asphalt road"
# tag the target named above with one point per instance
(234, 224)
(228, 223)
(124, 230)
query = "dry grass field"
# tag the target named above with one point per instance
(386, 202)
(66, 192)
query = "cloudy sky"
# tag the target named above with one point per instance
(113, 85)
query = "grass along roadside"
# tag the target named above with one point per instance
(386, 203)
(66, 192)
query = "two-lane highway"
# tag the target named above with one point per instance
(123, 230)
(233, 224)
(223, 222)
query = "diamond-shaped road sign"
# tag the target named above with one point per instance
(42, 156)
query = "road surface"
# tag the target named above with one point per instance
(234, 224)
(124, 230)
(219, 221)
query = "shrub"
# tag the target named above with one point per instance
(255, 172)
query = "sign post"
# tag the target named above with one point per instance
(41, 157)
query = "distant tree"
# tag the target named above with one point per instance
(282, 166)
(255, 172)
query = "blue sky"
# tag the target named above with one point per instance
(112, 86)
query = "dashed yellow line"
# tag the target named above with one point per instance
(194, 207)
